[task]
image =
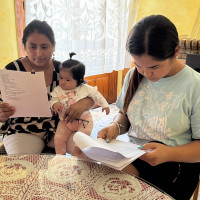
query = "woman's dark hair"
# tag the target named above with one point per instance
(155, 36)
(40, 27)
(76, 67)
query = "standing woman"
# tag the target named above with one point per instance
(32, 134)
(160, 108)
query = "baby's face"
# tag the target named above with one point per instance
(66, 81)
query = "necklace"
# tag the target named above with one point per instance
(32, 68)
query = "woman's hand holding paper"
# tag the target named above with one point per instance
(6, 111)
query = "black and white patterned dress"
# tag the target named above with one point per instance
(35, 125)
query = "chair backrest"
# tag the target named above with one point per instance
(193, 60)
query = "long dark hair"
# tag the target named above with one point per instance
(155, 36)
(77, 68)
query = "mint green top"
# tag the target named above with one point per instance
(167, 110)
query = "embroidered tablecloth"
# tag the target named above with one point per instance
(49, 177)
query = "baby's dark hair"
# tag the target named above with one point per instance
(76, 68)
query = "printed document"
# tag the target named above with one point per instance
(25, 91)
(116, 154)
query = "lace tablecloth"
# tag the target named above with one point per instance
(58, 178)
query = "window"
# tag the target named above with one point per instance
(96, 30)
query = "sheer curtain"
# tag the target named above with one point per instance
(96, 30)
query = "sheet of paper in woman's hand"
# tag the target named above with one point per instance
(116, 154)
(26, 92)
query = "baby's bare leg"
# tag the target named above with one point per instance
(61, 136)
(85, 128)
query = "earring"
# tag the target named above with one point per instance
(53, 57)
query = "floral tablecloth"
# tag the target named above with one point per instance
(48, 177)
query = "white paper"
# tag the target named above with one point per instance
(116, 154)
(26, 92)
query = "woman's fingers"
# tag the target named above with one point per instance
(6, 111)
(102, 134)
(108, 133)
(72, 113)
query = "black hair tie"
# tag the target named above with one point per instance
(71, 54)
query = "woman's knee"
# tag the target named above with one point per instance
(23, 144)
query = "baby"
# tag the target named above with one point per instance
(72, 88)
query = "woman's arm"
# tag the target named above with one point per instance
(78, 108)
(186, 153)
(120, 125)
(123, 122)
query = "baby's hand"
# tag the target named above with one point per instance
(107, 109)
(57, 107)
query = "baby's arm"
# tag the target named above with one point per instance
(55, 104)
(99, 99)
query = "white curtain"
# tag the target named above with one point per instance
(96, 30)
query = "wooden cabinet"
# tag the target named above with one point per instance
(106, 85)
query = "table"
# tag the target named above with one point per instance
(56, 177)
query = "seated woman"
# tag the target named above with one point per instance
(32, 134)
(160, 108)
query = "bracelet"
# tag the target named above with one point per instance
(119, 126)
